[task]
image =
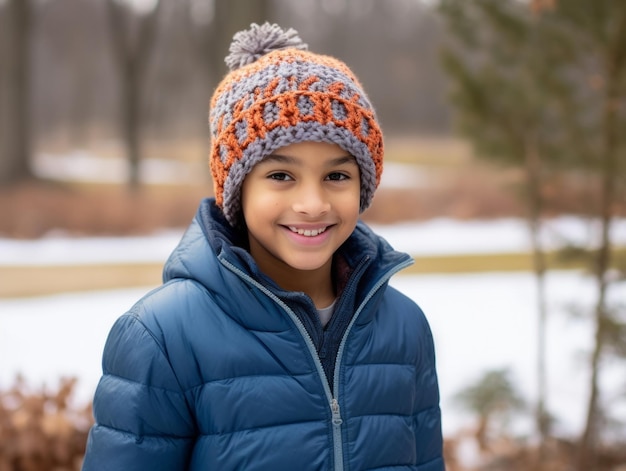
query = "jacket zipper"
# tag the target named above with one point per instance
(381, 281)
(337, 435)
(331, 397)
(337, 441)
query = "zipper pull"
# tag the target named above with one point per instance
(334, 406)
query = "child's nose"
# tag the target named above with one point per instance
(311, 199)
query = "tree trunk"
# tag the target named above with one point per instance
(5, 46)
(610, 175)
(533, 177)
(15, 121)
(482, 438)
(131, 57)
(131, 107)
(230, 17)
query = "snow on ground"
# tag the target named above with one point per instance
(435, 237)
(444, 236)
(479, 321)
(83, 166)
(488, 321)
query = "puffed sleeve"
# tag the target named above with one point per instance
(429, 438)
(142, 420)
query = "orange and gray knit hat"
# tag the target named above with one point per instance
(277, 93)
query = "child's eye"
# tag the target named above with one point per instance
(337, 176)
(281, 176)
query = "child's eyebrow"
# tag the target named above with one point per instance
(286, 159)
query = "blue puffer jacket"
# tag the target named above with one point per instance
(214, 371)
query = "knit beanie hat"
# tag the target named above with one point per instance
(278, 93)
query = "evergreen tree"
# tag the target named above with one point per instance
(491, 397)
(508, 93)
(599, 30)
(544, 88)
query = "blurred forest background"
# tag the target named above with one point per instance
(503, 107)
(132, 81)
(123, 86)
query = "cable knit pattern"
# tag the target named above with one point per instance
(278, 94)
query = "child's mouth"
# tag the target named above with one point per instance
(308, 232)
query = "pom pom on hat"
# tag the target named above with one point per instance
(279, 93)
(249, 45)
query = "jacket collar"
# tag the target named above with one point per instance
(210, 239)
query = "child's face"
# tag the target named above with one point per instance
(300, 204)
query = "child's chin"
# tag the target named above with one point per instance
(304, 265)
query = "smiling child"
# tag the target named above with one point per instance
(275, 342)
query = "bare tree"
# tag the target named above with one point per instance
(15, 122)
(133, 35)
(213, 31)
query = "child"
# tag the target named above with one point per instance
(275, 342)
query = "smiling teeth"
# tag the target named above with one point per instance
(307, 232)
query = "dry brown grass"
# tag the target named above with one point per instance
(26, 281)
(32, 209)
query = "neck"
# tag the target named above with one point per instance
(319, 287)
(317, 284)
